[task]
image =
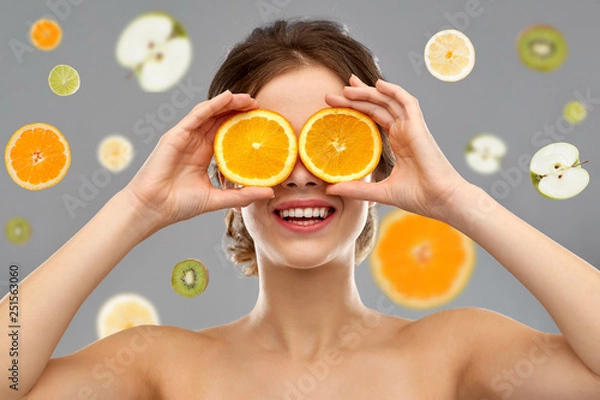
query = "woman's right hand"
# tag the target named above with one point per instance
(174, 184)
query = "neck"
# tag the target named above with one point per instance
(305, 312)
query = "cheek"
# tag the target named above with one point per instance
(256, 220)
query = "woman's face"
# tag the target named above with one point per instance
(303, 242)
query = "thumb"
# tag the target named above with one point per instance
(231, 198)
(359, 190)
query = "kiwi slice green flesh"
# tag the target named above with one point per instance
(542, 48)
(18, 230)
(189, 277)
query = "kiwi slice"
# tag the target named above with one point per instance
(542, 48)
(18, 230)
(189, 277)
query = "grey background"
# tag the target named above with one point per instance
(500, 96)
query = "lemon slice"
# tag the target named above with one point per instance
(63, 80)
(115, 153)
(125, 311)
(449, 55)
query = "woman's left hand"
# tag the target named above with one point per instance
(422, 181)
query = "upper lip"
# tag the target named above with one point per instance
(308, 203)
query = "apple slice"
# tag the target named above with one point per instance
(485, 152)
(156, 47)
(556, 171)
(167, 66)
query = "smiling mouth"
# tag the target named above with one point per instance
(305, 216)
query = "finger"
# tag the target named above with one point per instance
(220, 104)
(372, 95)
(355, 81)
(409, 102)
(380, 114)
(360, 190)
(231, 198)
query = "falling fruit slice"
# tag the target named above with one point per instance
(45, 34)
(37, 156)
(556, 171)
(542, 48)
(449, 55)
(125, 311)
(340, 144)
(256, 148)
(189, 277)
(574, 112)
(420, 262)
(115, 153)
(485, 152)
(63, 80)
(157, 48)
(18, 230)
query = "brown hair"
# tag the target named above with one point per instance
(277, 48)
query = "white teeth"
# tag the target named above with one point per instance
(322, 212)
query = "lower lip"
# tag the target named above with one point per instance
(314, 227)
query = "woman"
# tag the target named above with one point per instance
(309, 335)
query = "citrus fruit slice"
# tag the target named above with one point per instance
(45, 34)
(340, 144)
(449, 55)
(124, 311)
(115, 153)
(256, 148)
(574, 112)
(37, 156)
(18, 230)
(420, 262)
(63, 80)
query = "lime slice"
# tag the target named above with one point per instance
(63, 80)
(18, 230)
(574, 112)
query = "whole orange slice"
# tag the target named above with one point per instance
(45, 34)
(37, 156)
(340, 144)
(256, 148)
(420, 262)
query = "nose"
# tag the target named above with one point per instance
(301, 177)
